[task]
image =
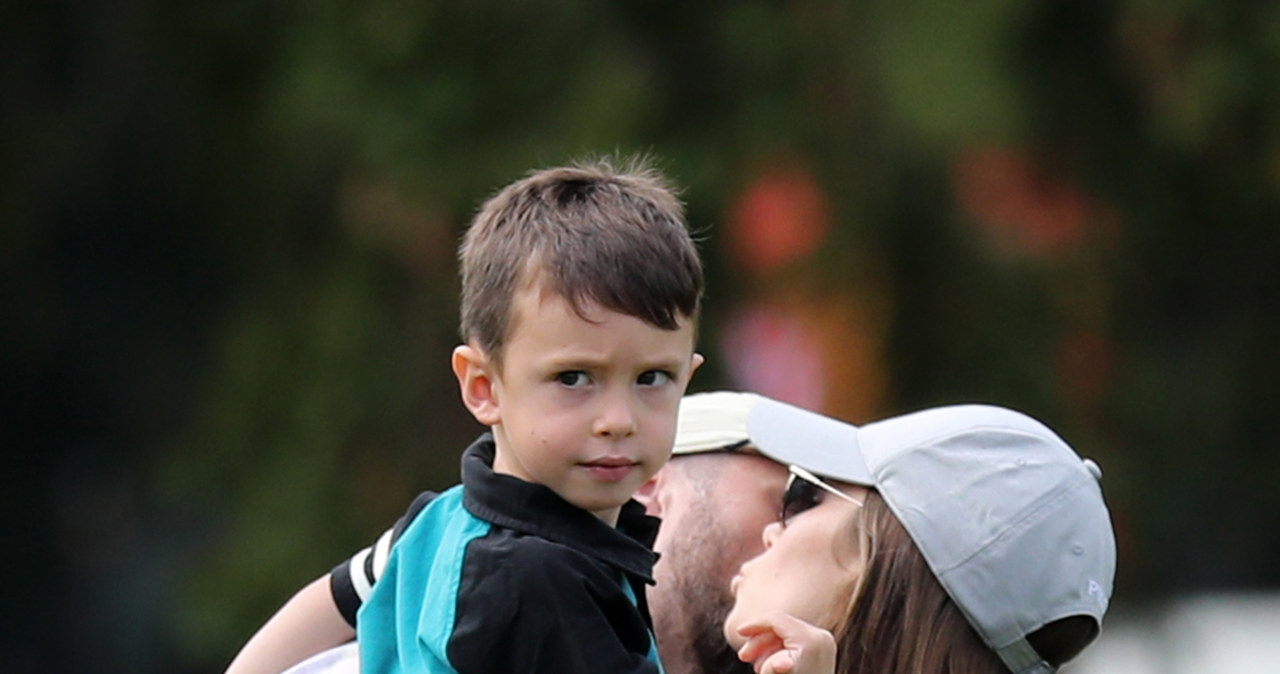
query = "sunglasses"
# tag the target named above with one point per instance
(804, 491)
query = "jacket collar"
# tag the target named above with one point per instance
(537, 510)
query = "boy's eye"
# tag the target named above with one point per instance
(653, 378)
(572, 379)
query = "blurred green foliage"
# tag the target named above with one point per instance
(229, 228)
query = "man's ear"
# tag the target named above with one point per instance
(476, 383)
(649, 493)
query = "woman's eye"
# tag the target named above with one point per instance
(799, 497)
(572, 379)
(654, 378)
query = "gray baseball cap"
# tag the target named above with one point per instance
(1009, 518)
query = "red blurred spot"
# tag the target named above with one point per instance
(779, 218)
(1020, 208)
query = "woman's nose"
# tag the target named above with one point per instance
(771, 533)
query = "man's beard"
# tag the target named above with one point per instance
(713, 653)
(706, 604)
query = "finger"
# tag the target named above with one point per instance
(780, 642)
(782, 662)
(758, 645)
(767, 624)
(755, 627)
(786, 626)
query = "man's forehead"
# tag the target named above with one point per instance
(745, 487)
(738, 460)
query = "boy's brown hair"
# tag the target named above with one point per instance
(590, 232)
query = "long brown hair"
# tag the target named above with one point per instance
(900, 620)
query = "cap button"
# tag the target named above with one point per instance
(1094, 469)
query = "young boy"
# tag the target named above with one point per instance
(580, 292)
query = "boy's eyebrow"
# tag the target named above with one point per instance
(590, 361)
(672, 364)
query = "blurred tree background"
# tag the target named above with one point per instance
(228, 236)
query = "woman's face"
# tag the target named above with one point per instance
(804, 570)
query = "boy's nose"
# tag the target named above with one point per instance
(616, 418)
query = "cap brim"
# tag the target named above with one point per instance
(712, 422)
(817, 443)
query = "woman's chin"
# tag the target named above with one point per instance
(731, 624)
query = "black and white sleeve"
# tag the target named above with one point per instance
(352, 581)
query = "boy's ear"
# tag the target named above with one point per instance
(476, 383)
(649, 492)
(697, 362)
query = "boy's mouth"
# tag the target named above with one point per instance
(610, 469)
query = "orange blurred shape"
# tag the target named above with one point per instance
(781, 216)
(1019, 208)
(823, 351)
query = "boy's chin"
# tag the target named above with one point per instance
(597, 500)
(606, 509)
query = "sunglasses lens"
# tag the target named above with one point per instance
(800, 496)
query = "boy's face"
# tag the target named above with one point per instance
(586, 407)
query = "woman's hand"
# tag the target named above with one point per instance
(783, 644)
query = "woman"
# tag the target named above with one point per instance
(958, 540)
